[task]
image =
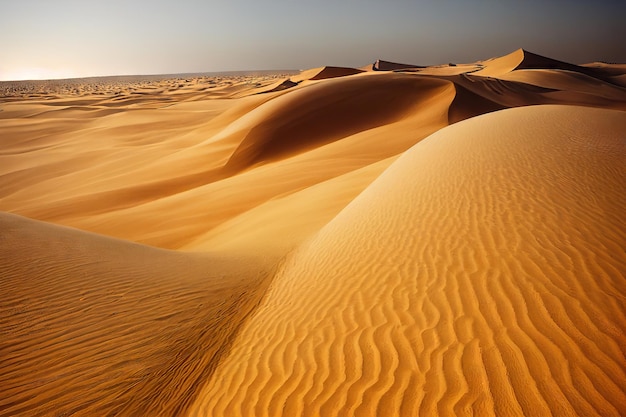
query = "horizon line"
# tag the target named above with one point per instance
(277, 71)
(164, 74)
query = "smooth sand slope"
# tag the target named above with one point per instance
(391, 240)
(98, 326)
(481, 274)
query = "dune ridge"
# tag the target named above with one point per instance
(524, 60)
(324, 73)
(405, 240)
(359, 104)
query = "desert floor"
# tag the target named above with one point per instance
(387, 240)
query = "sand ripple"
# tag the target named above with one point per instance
(480, 274)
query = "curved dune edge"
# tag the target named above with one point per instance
(323, 73)
(522, 59)
(515, 89)
(325, 112)
(99, 326)
(382, 65)
(481, 274)
(567, 81)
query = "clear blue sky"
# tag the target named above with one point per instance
(63, 38)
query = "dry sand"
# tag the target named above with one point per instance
(468, 276)
(392, 240)
(98, 326)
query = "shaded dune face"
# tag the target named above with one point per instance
(321, 113)
(323, 73)
(381, 65)
(479, 95)
(522, 74)
(334, 72)
(468, 103)
(481, 274)
(568, 80)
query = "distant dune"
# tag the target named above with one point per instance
(324, 73)
(524, 60)
(381, 65)
(390, 240)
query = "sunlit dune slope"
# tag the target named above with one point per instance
(273, 146)
(279, 224)
(523, 60)
(481, 274)
(203, 208)
(96, 326)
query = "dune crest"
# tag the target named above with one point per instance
(324, 73)
(525, 60)
(290, 123)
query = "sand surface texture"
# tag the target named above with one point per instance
(389, 240)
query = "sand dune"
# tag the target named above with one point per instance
(446, 70)
(390, 240)
(446, 286)
(97, 326)
(358, 103)
(381, 65)
(567, 81)
(521, 59)
(325, 73)
(470, 103)
(507, 91)
(171, 172)
(280, 86)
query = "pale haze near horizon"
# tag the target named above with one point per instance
(62, 39)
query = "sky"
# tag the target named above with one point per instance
(42, 39)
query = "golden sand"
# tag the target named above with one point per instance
(392, 240)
